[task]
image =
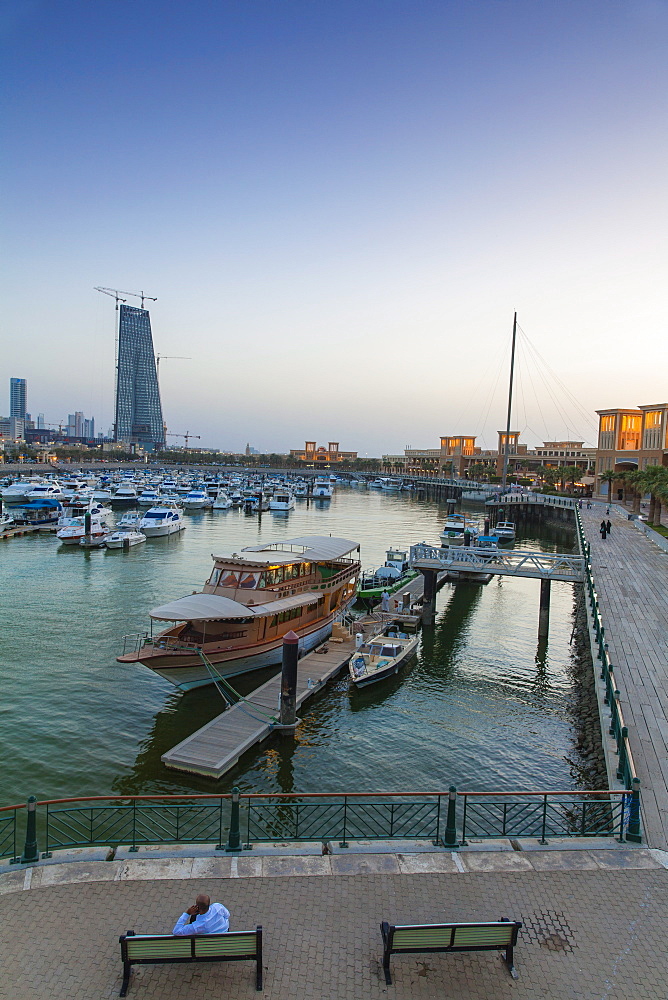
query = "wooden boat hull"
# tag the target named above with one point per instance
(186, 670)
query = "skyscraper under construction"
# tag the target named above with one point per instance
(138, 407)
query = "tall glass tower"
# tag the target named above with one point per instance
(138, 408)
(18, 398)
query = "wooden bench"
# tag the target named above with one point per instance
(156, 949)
(498, 935)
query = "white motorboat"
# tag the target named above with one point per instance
(6, 522)
(222, 501)
(74, 530)
(381, 656)
(197, 500)
(43, 491)
(282, 501)
(18, 492)
(455, 529)
(163, 519)
(149, 498)
(322, 490)
(95, 539)
(125, 495)
(129, 521)
(124, 539)
(505, 531)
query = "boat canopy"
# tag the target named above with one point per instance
(309, 548)
(211, 607)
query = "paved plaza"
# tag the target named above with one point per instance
(595, 924)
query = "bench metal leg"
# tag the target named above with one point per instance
(127, 969)
(258, 958)
(509, 962)
(385, 932)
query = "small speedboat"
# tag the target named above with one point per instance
(222, 501)
(6, 522)
(380, 656)
(505, 531)
(124, 539)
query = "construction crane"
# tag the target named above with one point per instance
(168, 357)
(117, 293)
(186, 436)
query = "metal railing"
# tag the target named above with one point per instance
(502, 562)
(625, 771)
(542, 499)
(8, 831)
(546, 814)
(142, 820)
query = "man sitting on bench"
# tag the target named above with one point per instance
(204, 917)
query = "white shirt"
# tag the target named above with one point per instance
(216, 920)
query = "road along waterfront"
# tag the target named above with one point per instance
(482, 705)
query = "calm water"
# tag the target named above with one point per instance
(477, 707)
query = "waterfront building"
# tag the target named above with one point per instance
(630, 439)
(459, 453)
(138, 408)
(18, 398)
(322, 456)
(12, 429)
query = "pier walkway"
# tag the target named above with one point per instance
(631, 579)
(216, 747)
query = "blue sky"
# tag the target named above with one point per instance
(338, 206)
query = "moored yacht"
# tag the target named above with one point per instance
(322, 489)
(250, 601)
(163, 519)
(197, 500)
(282, 501)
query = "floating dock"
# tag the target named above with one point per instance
(217, 747)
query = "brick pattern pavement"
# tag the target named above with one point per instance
(631, 576)
(590, 935)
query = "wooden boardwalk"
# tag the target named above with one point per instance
(216, 747)
(631, 579)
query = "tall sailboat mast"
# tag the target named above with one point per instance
(506, 444)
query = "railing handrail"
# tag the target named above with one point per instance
(175, 799)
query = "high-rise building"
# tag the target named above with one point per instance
(18, 398)
(40, 422)
(138, 408)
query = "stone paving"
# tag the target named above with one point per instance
(631, 577)
(595, 924)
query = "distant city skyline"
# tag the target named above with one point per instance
(338, 208)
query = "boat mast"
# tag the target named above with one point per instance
(506, 446)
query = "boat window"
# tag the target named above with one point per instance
(228, 579)
(248, 581)
(215, 576)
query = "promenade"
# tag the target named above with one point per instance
(631, 579)
(595, 924)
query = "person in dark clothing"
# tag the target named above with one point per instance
(608, 526)
(603, 529)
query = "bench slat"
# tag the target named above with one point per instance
(501, 936)
(241, 944)
(427, 938)
(158, 949)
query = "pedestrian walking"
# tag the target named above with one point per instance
(385, 601)
(608, 526)
(603, 529)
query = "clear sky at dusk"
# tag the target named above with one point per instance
(338, 206)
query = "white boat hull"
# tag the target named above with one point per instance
(159, 530)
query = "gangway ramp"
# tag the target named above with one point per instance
(217, 746)
(561, 566)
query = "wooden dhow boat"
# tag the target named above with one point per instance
(250, 601)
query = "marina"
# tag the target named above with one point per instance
(475, 704)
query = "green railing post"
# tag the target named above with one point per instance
(134, 847)
(220, 846)
(450, 837)
(234, 839)
(621, 765)
(633, 831)
(30, 851)
(343, 842)
(542, 833)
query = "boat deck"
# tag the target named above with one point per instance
(216, 747)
